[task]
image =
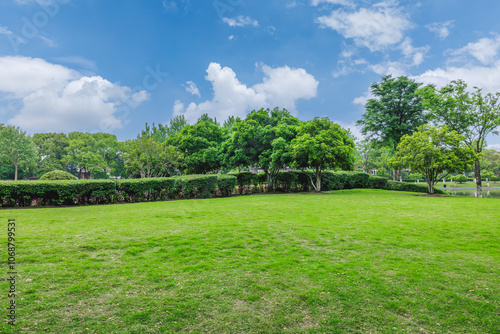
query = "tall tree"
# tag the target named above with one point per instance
(51, 149)
(321, 144)
(200, 145)
(470, 113)
(433, 152)
(17, 148)
(395, 111)
(255, 141)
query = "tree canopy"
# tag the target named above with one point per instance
(322, 144)
(433, 152)
(17, 148)
(469, 112)
(395, 111)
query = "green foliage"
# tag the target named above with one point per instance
(16, 148)
(226, 184)
(83, 192)
(321, 144)
(460, 178)
(395, 111)
(382, 172)
(196, 186)
(434, 153)
(200, 145)
(146, 158)
(472, 114)
(57, 175)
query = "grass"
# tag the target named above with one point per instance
(357, 261)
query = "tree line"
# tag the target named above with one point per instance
(406, 125)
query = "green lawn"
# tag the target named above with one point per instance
(354, 261)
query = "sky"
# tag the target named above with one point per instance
(111, 66)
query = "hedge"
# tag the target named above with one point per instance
(84, 192)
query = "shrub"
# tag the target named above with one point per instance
(378, 182)
(226, 184)
(460, 178)
(140, 190)
(58, 175)
(33, 178)
(196, 186)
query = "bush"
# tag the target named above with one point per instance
(57, 175)
(460, 178)
(66, 192)
(33, 178)
(196, 186)
(226, 184)
(140, 190)
(378, 182)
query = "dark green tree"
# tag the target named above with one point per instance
(395, 111)
(321, 144)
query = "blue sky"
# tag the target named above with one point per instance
(108, 65)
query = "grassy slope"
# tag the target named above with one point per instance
(354, 261)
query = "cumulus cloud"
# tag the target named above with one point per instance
(484, 50)
(56, 98)
(375, 28)
(441, 29)
(281, 87)
(240, 21)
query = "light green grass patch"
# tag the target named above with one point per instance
(354, 261)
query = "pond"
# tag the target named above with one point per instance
(487, 193)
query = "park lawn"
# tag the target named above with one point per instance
(352, 261)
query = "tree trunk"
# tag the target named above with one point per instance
(270, 185)
(318, 180)
(430, 187)
(477, 175)
(15, 168)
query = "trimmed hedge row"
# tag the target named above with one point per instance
(295, 181)
(83, 192)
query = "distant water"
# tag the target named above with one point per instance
(487, 193)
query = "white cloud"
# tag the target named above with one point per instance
(240, 21)
(232, 38)
(353, 128)
(56, 98)
(485, 77)
(192, 88)
(13, 38)
(416, 55)
(485, 50)
(375, 28)
(334, 2)
(441, 29)
(281, 87)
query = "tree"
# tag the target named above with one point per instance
(200, 145)
(395, 111)
(434, 153)
(93, 152)
(370, 156)
(17, 148)
(255, 141)
(322, 144)
(472, 114)
(146, 158)
(51, 149)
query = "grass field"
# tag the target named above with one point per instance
(357, 261)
